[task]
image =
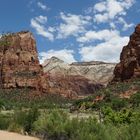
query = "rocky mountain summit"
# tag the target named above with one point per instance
(129, 66)
(19, 64)
(99, 72)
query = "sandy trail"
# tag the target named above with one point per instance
(4, 135)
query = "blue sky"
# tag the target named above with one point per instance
(81, 30)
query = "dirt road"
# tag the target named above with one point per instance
(4, 135)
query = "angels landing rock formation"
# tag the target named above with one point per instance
(129, 66)
(19, 64)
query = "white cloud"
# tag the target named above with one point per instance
(42, 6)
(41, 19)
(100, 7)
(51, 29)
(112, 25)
(38, 24)
(108, 51)
(111, 43)
(110, 12)
(72, 25)
(101, 18)
(110, 9)
(65, 55)
(103, 35)
(125, 24)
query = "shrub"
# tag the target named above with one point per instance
(22, 121)
(118, 103)
(135, 99)
(19, 98)
(31, 117)
(125, 116)
(14, 127)
(5, 121)
(51, 124)
(56, 125)
(129, 132)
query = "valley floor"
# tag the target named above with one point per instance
(4, 135)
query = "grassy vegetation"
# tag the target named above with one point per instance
(24, 98)
(56, 125)
(116, 118)
(111, 97)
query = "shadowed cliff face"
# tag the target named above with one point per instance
(19, 64)
(72, 86)
(129, 66)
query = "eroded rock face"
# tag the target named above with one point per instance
(129, 66)
(19, 64)
(72, 86)
(99, 72)
(78, 79)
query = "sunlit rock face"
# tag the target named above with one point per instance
(129, 66)
(78, 79)
(19, 64)
(99, 72)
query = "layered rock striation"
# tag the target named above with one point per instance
(129, 66)
(99, 72)
(78, 79)
(72, 86)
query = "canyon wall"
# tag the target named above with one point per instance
(129, 66)
(19, 64)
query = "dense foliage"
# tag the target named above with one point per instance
(56, 125)
(50, 118)
(24, 98)
(111, 97)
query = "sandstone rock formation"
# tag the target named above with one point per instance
(78, 79)
(20, 68)
(129, 66)
(96, 71)
(19, 64)
(72, 86)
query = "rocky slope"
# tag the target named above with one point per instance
(19, 64)
(72, 86)
(96, 71)
(129, 66)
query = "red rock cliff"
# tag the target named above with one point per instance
(129, 66)
(19, 64)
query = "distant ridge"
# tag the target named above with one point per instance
(98, 71)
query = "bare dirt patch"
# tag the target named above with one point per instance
(4, 135)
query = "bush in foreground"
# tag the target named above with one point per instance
(22, 121)
(56, 125)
